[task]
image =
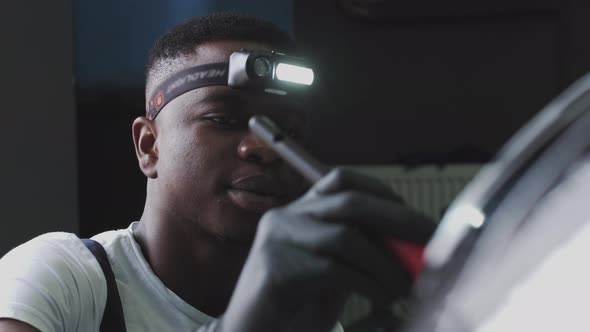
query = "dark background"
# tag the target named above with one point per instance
(415, 82)
(38, 166)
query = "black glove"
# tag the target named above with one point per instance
(310, 255)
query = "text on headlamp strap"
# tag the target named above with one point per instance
(184, 81)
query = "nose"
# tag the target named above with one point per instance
(251, 148)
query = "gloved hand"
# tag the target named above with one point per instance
(310, 255)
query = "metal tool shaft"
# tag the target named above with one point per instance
(288, 149)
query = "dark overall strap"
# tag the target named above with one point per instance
(113, 319)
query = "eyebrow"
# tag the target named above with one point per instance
(221, 97)
(234, 98)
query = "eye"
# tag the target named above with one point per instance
(224, 120)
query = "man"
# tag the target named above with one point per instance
(199, 250)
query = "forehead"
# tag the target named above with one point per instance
(220, 51)
(254, 102)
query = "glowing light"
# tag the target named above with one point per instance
(451, 232)
(295, 74)
(276, 92)
(470, 215)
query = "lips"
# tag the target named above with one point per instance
(257, 193)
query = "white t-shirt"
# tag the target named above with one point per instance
(54, 283)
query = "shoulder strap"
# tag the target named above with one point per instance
(113, 319)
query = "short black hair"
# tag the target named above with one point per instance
(183, 38)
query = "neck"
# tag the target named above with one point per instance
(198, 267)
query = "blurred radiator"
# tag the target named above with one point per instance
(428, 189)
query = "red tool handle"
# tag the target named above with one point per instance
(410, 254)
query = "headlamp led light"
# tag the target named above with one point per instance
(268, 72)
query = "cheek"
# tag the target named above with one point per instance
(181, 156)
(196, 157)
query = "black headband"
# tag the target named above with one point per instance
(184, 81)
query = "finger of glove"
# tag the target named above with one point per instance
(341, 244)
(370, 214)
(279, 278)
(320, 315)
(341, 179)
(330, 274)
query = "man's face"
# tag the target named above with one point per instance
(213, 174)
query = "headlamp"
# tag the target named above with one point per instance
(268, 72)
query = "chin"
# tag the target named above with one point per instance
(237, 228)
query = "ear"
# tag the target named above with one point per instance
(146, 147)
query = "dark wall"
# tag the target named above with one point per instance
(113, 37)
(435, 82)
(38, 174)
(112, 188)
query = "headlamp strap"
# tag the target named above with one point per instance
(184, 81)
